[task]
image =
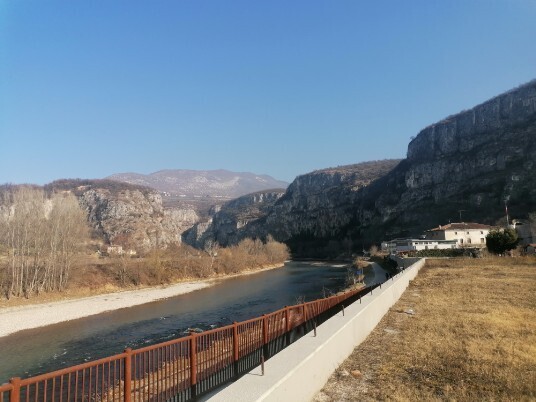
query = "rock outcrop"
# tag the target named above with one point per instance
(130, 215)
(465, 166)
(235, 220)
(322, 203)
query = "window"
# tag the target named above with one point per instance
(469, 241)
(481, 232)
(461, 241)
(482, 240)
(467, 232)
(455, 232)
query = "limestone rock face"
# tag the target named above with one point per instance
(321, 204)
(464, 166)
(235, 220)
(130, 215)
(471, 163)
(178, 220)
(491, 122)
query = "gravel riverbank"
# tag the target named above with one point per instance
(18, 318)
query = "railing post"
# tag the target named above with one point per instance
(14, 395)
(264, 337)
(128, 374)
(287, 324)
(304, 317)
(193, 363)
(235, 347)
(264, 329)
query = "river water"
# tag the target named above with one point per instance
(32, 352)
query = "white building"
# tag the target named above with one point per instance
(465, 234)
(403, 245)
(115, 249)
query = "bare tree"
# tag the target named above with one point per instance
(68, 230)
(42, 237)
(211, 248)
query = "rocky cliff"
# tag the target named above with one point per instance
(130, 215)
(235, 220)
(322, 203)
(466, 165)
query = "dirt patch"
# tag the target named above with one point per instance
(471, 336)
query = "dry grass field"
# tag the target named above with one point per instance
(464, 330)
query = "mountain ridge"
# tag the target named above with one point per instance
(219, 183)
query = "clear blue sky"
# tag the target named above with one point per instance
(91, 88)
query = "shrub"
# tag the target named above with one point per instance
(498, 242)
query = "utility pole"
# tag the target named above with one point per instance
(460, 212)
(506, 209)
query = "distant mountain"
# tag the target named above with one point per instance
(202, 183)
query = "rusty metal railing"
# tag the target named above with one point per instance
(181, 368)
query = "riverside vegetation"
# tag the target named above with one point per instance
(463, 330)
(46, 249)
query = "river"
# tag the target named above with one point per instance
(32, 352)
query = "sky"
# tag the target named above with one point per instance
(93, 88)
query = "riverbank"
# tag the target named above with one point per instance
(18, 318)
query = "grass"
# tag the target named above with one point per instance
(472, 337)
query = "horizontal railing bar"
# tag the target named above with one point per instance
(71, 369)
(149, 348)
(6, 387)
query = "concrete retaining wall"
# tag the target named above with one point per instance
(404, 262)
(300, 371)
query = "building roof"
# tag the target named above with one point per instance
(461, 226)
(421, 240)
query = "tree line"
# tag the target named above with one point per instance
(179, 262)
(45, 241)
(40, 237)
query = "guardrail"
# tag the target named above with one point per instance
(182, 368)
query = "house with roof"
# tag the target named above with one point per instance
(115, 249)
(466, 234)
(404, 245)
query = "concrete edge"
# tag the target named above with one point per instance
(301, 370)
